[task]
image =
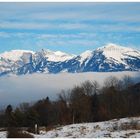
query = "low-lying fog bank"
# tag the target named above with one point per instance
(27, 88)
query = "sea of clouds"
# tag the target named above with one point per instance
(29, 88)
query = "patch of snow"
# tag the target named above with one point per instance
(3, 134)
(106, 129)
(85, 55)
(64, 71)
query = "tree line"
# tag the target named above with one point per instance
(87, 102)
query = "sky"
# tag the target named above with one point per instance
(68, 27)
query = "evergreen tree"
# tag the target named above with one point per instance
(10, 118)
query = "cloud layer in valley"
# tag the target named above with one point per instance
(18, 89)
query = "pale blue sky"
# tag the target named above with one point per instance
(68, 27)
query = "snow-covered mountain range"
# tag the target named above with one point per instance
(105, 59)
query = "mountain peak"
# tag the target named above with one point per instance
(86, 53)
(118, 53)
(14, 55)
(55, 55)
(112, 47)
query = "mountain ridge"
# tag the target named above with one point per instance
(109, 58)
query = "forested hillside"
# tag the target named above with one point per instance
(87, 102)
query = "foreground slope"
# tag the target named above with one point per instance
(117, 128)
(126, 127)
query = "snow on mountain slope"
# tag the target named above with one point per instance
(85, 56)
(114, 58)
(55, 56)
(14, 55)
(108, 58)
(118, 53)
(22, 62)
